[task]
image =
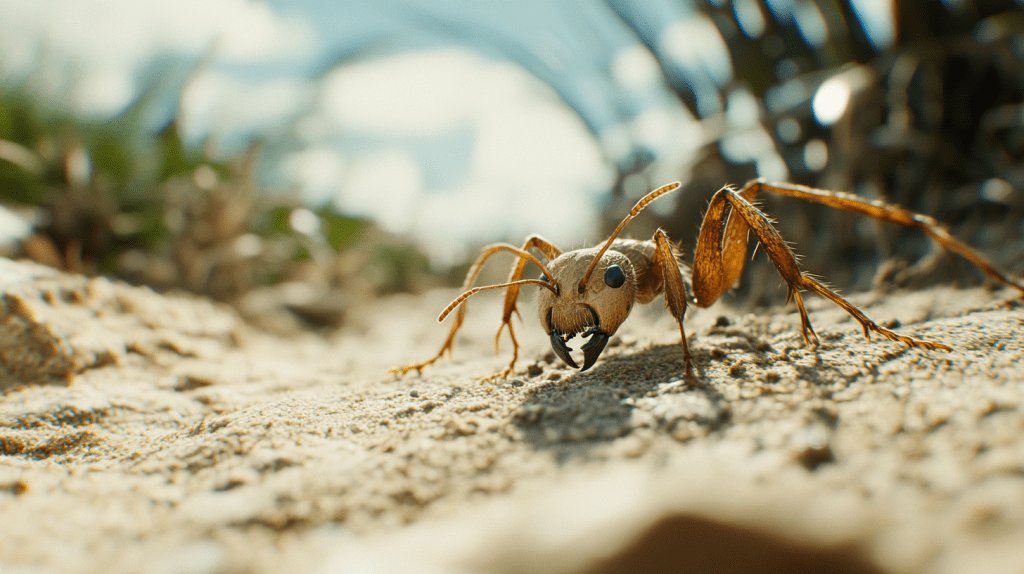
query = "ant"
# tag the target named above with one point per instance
(572, 302)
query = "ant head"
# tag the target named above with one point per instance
(595, 310)
(594, 291)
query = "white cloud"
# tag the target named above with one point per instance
(111, 30)
(411, 94)
(317, 170)
(105, 90)
(387, 186)
(107, 41)
(226, 104)
(533, 166)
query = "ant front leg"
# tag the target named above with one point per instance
(471, 276)
(550, 253)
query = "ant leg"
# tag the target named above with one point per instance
(717, 264)
(709, 271)
(666, 264)
(471, 276)
(883, 212)
(550, 253)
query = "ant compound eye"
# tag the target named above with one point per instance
(614, 277)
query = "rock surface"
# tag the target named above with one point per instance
(144, 433)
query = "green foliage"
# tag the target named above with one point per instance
(340, 229)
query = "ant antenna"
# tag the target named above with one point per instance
(640, 205)
(451, 307)
(488, 251)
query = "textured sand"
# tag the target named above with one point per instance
(142, 433)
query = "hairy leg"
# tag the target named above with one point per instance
(675, 290)
(884, 212)
(712, 267)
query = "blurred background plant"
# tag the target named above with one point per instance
(929, 118)
(110, 198)
(331, 198)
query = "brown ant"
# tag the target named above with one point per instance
(573, 300)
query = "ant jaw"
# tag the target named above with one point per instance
(560, 349)
(592, 349)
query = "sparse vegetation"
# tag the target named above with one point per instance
(108, 198)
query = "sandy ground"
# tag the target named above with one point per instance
(142, 433)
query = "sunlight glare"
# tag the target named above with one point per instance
(830, 101)
(635, 68)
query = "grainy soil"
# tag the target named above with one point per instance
(150, 433)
